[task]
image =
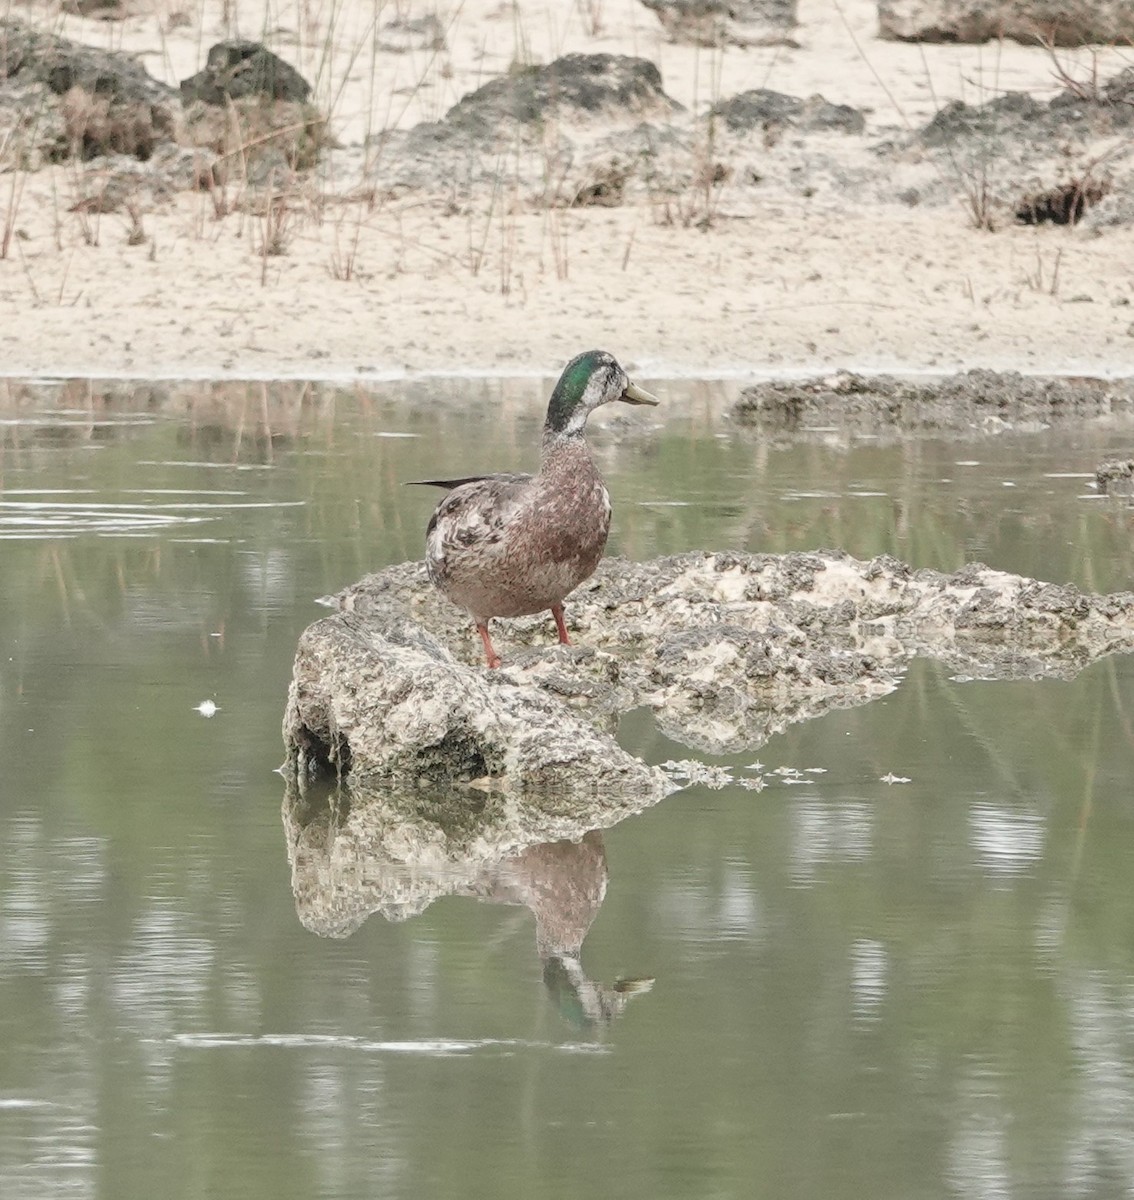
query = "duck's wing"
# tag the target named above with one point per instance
(476, 512)
(449, 484)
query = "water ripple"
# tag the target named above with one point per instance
(434, 1047)
(60, 518)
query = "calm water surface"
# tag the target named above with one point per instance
(914, 988)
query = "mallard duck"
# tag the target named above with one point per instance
(510, 545)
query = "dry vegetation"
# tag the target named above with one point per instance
(323, 181)
(264, 164)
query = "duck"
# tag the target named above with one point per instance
(509, 545)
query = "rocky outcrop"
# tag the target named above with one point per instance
(1116, 477)
(405, 34)
(726, 649)
(727, 22)
(250, 113)
(599, 129)
(586, 129)
(769, 111)
(376, 696)
(1087, 112)
(577, 87)
(572, 132)
(1019, 159)
(1057, 22)
(240, 69)
(62, 100)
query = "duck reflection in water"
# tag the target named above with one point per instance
(355, 853)
(563, 884)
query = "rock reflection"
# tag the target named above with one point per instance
(355, 852)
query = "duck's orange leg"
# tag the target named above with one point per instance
(557, 613)
(489, 651)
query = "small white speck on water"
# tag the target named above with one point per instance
(207, 708)
(891, 778)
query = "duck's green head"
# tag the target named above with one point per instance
(588, 380)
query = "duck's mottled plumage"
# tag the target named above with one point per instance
(509, 545)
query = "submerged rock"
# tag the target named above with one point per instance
(725, 648)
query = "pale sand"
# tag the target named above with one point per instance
(787, 288)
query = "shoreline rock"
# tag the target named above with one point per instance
(974, 400)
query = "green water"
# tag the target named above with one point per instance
(861, 988)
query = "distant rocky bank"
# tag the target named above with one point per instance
(596, 129)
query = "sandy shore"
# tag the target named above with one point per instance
(784, 287)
